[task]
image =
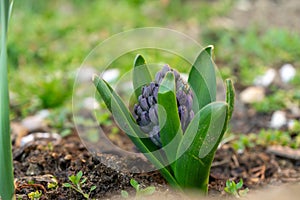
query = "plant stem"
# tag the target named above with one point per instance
(6, 167)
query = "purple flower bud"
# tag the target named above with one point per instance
(145, 110)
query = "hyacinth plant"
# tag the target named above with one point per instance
(6, 167)
(177, 125)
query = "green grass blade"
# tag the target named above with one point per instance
(202, 79)
(141, 75)
(6, 167)
(198, 146)
(123, 117)
(170, 129)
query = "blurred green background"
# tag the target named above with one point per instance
(48, 40)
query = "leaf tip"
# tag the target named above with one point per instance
(94, 77)
(209, 49)
(139, 60)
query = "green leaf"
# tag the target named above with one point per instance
(239, 185)
(125, 120)
(67, 185)
(124, 194)
(202, 79)
(147, 191)
(230, 94)
(199, 144)
(170, 129)
(6, 166)
(134, 183)
(141, 75)
(93, 188)
(78, 177)
(73, 179)
(83, 181)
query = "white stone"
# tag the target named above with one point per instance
(111, 75)
(278, 119)
(291, 124)
(252, 94)
(36, 122)
(287, 72)
(266, 79)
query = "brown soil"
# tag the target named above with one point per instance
(35, 165)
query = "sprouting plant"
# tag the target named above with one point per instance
(53, 184)
(235, 188)
(178, 125)
(139, 192)
(35, 195)
(76, 184)
(6, 166)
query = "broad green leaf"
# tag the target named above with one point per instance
(6, 166)
(202, 79)
(198, 146)
(170, 129)
(121, 112)
(141, 75)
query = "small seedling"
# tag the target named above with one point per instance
(139, 192)
(235, 188)
(76, 184)
(35, 195)
(53, 184)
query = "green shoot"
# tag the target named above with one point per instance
(234, 189)
(76, 184)
(35, 195)
(139, 192)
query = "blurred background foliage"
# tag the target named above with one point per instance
(48, 40)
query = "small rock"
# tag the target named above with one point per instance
(287, 72)
(291, 124)
(111, 75)
(266, 79)
(68, 157)
(36, 122)
(252, 94)
(33, 170)
(278, 119)
(41, 138)
(285, 152)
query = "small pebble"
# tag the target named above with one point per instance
(278, 119)
(36, 122)
(291, 124)
(287, 72)
(68, 157)
(252, 94)
(266, 79)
